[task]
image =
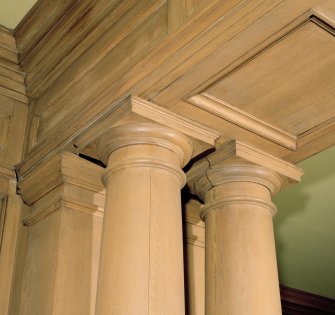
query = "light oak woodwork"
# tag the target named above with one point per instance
(64, 231)
(241, 268)
(132, 110)
(202, 49)
(9, 243)
(141, 250)
(260, 72)
(13, 115)
(11, 76)
(194, 255)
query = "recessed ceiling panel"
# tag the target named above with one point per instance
(290, 85)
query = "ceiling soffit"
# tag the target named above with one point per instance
(285, 91)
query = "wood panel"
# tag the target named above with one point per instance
(308, 23)
(41, 19)
(282, 84)
(65, 102)
(99, 23)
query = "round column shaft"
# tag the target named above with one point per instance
(241, 268)
(141, 261)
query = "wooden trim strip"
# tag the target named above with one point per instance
(297, 302)
(242, 119)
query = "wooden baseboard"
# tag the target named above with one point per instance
(297, 302)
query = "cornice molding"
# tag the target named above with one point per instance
(62, 168)
(11, 76)
(236, 150)
(168, 118)
(243, 119)
(8, 49)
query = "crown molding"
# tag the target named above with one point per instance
(8, 49)
(11, 76)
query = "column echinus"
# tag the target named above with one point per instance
(236, 183)
(141, 259)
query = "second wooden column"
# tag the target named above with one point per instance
(236, 183)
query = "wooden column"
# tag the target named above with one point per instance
(236, 183)
(64, 232)
(141, 260)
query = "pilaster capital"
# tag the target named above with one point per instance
(236, 161)
(62, 168)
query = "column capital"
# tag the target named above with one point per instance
(236, 161)
(173, 149)
(144, 133)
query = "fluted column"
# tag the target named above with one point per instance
(236, 183)
(141, 260)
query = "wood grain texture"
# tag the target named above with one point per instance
(142, 221)
(240, 259)
(11, 76)
(43, 17)
(64, 231)
(99, 52)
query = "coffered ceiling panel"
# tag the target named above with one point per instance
(290, 84)
(285, 91)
